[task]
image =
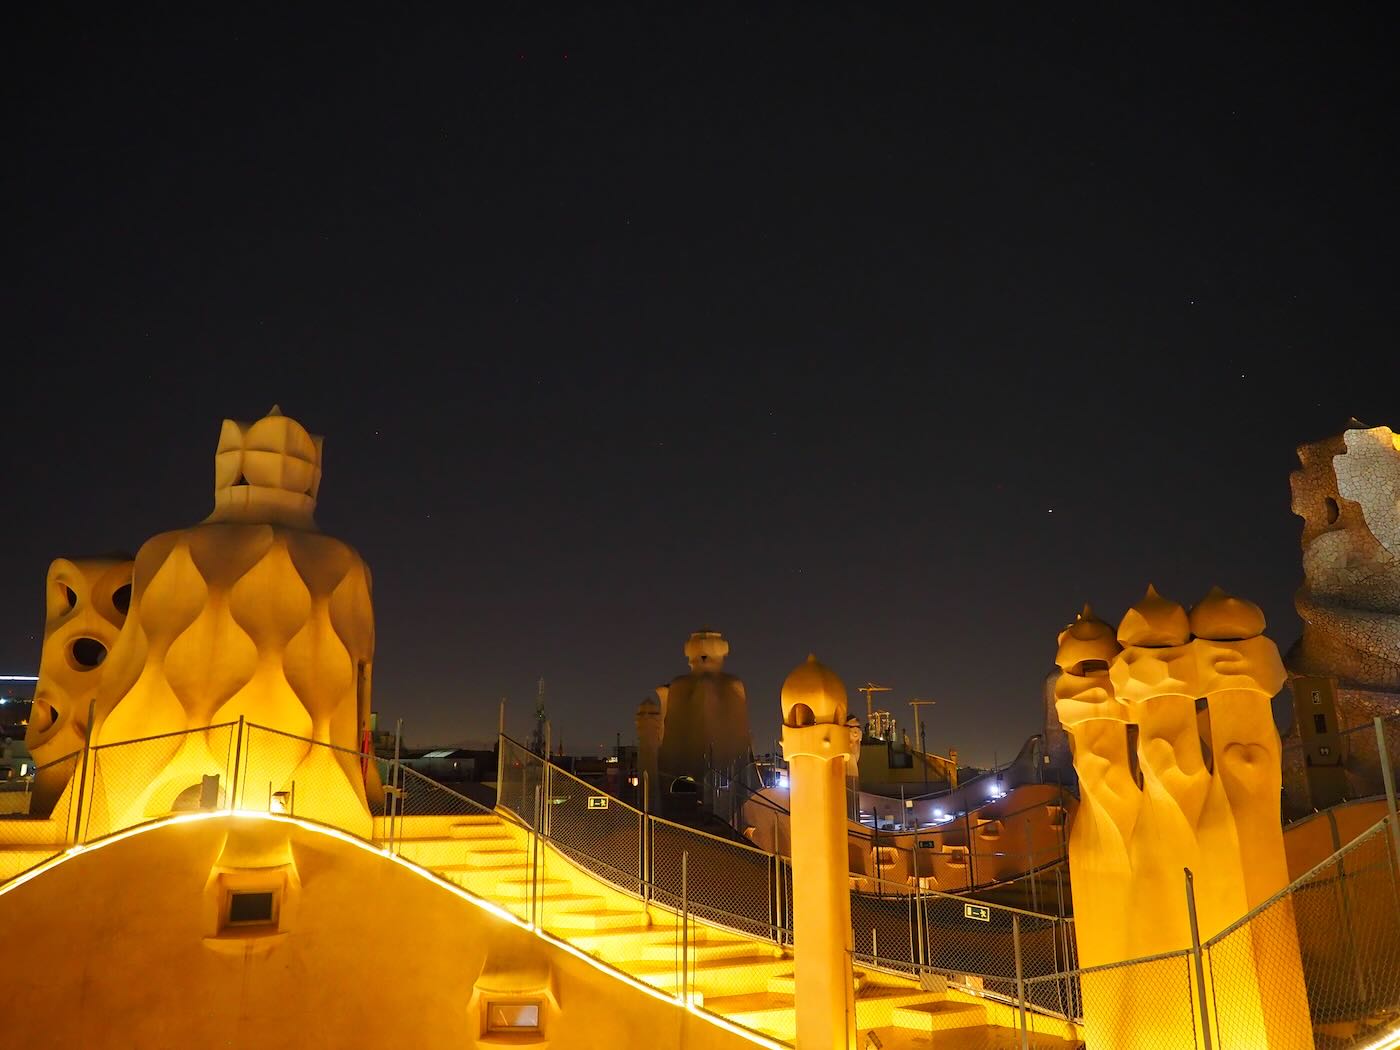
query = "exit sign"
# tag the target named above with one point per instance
(597, 801)
(980, 912)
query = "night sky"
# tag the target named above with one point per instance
(888, 335)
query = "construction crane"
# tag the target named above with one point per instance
(869, 688)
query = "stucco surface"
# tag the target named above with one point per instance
(375, 955)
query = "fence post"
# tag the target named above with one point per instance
(967, 832)
(1020, 975)
(685, 925)
(641, 854)
(774, 913)
(1067, 945)
(82, 775)
(912, 914)
(778, 896)
(237, 765)
(1196, 959)
(547, 779)
(535, 857)
(396, 779)
(920, 918)
(875, 849)
(500, 751)
(1389, 776)
(647, 859)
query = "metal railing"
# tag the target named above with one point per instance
(1322, 956)
(1362, 751)
(1319, 961)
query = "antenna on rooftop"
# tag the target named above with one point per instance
(537, 736)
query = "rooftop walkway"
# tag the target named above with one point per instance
(746, 979)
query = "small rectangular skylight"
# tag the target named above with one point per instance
(250, 909)
(517, 1016)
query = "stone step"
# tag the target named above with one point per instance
(717, 949)
(550, 889)
(939, 1016)
(432, 825)
(785, 983)
(495, 866)
(468, 824)
(773, 1014)
(431, 853)
(592, 928)
(747, 973)
(566, 904)
(492, 854)
(643, 931)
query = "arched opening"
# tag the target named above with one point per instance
(87, 653)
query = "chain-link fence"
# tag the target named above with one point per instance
(725, 882)
(285, 773)
(599, 832)
(41, 792)
(1347, 766)
(1141, 1004)
(37, 816)
(1319, 963)
(709, 919)
(130, 782)
(520, 777)
(1008, 956)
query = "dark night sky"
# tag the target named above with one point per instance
(889, 336)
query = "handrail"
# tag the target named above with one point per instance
(718, 838)
(509, 816)
(309, 740)
(50, 764)
(174, 732)
(1263, 906)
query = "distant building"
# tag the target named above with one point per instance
(450, 763)
(16, 699)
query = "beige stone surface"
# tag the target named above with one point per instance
(1347, 491)
(364, 952)
(85, 606)
(816, 744)
(705, 714)
(1179, 765)
(253, 614)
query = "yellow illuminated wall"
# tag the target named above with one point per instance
(85, 601)
(129, 945)
(1178, 762)
(253, 614)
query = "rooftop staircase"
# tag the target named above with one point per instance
(745, 979)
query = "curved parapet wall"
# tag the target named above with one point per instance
(156, 905)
